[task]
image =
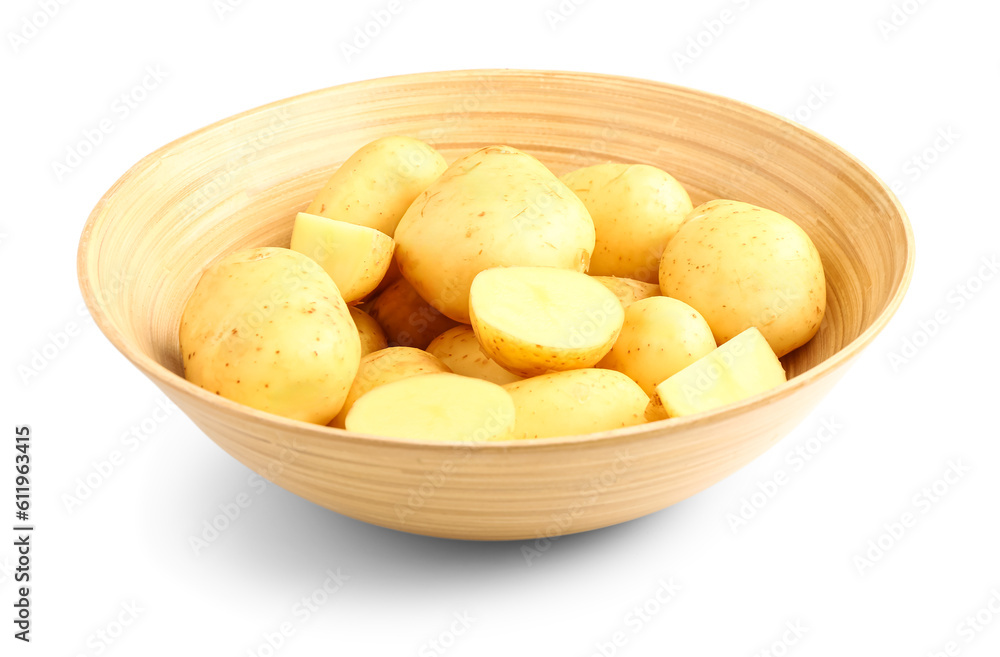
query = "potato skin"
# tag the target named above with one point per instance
(459, 349)
(376, 185)
(575, 402)
(371, 334)
(740, 266)
(408, 320)
(268, 328)
(629, 290)
(636, 209)
(492, 208)
(660, 337)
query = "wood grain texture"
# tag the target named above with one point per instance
(239, 183)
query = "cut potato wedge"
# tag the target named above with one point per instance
(385, 366)
(435, 407)
(660, 337)
(371, 334)
(576, 402)
(459, 349)
(355, 257)
(629, 290)
(533, 320)
(742, 367)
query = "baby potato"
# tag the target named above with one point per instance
(371, 334)
(435, 407)
(636, 210)
(385, 366)
(268, 328)
(376, 185)
(629, 290)
(355, 257)
(533, 320)
(660, 337)
(459, 349)
(408, 320)
(740, 266)
(575, 402)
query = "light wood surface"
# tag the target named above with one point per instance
(240, 182)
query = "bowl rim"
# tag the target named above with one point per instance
(164, 377)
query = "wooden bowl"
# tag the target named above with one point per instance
(238, 183)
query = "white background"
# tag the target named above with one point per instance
(885, 94)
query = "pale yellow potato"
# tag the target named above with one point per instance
(629, 290)
(436, 408)
(493, 208)
(355, 257)
(459, 349)
(376, 185)
(533, 320)
(268, 328)
(742, 367)
(385, 366)
(371, 334)
(637, 209)
(660, 337)
(740, 266)
(408, 320)
(576, 402)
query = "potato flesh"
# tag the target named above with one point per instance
(742, 367)
(355, 257)
(268, 328)
(459, 349)
(376, 185)
(532, 320)
(575, 402)
(435, 407)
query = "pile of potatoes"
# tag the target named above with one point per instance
(491, 300)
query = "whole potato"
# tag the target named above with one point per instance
(495, 207)
(740, 266)
(629, 290)
(459, 349)
(376, 185)
(575, 402)
(636, 210)
(408, 320)
(371, 334)
(660, 337)
(268, 328)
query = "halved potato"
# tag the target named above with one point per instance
(660, 337)
(435, 407)
(629, 290)
(459, 349)
(408, 320)
(355, 257)
(743, 367)
(576, 402)
(385, 366)
(371, 334)
(533, 320)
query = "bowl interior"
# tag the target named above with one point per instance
(239, 183)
